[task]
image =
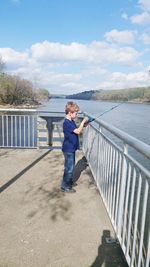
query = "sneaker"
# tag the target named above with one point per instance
(68, 190)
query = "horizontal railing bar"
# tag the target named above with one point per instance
(38, 112)
(55, 114)
(47, 111)
(17, 110)
(18, 115)
(21, 147)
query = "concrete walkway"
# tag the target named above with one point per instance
(42, 227)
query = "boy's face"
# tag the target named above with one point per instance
(73, 115)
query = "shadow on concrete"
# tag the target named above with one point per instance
(57, 203)
(51, 201)
(55, 156)
(3, 153)
(16, 177)
(109, 253)
(80, 166)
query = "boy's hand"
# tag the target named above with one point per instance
(85, 121)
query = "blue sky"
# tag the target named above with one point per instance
(69, 46)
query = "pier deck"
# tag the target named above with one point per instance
(42, 227)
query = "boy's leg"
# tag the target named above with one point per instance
(68, 170)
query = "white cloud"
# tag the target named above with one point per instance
(61, 82)
(95, 52)
(43, 77)
(145, 38)
(94, 71)
(70, 87)
(75, 67)
(145, 4)
(56, 51)
(118, 80)
(122, 37)
(105, 53)
(55, 78)
(143, 18)
(12, 57)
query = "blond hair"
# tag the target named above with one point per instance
(71, 107)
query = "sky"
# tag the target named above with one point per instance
(70, 46)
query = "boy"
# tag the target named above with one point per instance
(70, 144)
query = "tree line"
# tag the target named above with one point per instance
(140, 94)
(16, 91)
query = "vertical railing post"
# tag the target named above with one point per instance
(98, 145)
(50, 130)
(37, 127)
(122, 192)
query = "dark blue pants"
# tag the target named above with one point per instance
(68, 169)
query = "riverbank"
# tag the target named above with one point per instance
(35, 106)
(23, 106)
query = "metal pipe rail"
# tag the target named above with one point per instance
(18, 110)
(124, 185)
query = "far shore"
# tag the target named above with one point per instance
(35, 106)
(23, 106)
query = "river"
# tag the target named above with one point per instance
(133, 119)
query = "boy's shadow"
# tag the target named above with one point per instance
(79, 167)
(109, 253)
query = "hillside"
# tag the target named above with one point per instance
(140, 94)
(86, 95)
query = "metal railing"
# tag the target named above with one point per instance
(124, 185)
(18, 128)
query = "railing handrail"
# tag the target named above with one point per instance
(17, 110)
(126, 138)
(41, 113)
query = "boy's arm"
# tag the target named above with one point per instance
(80, 128)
